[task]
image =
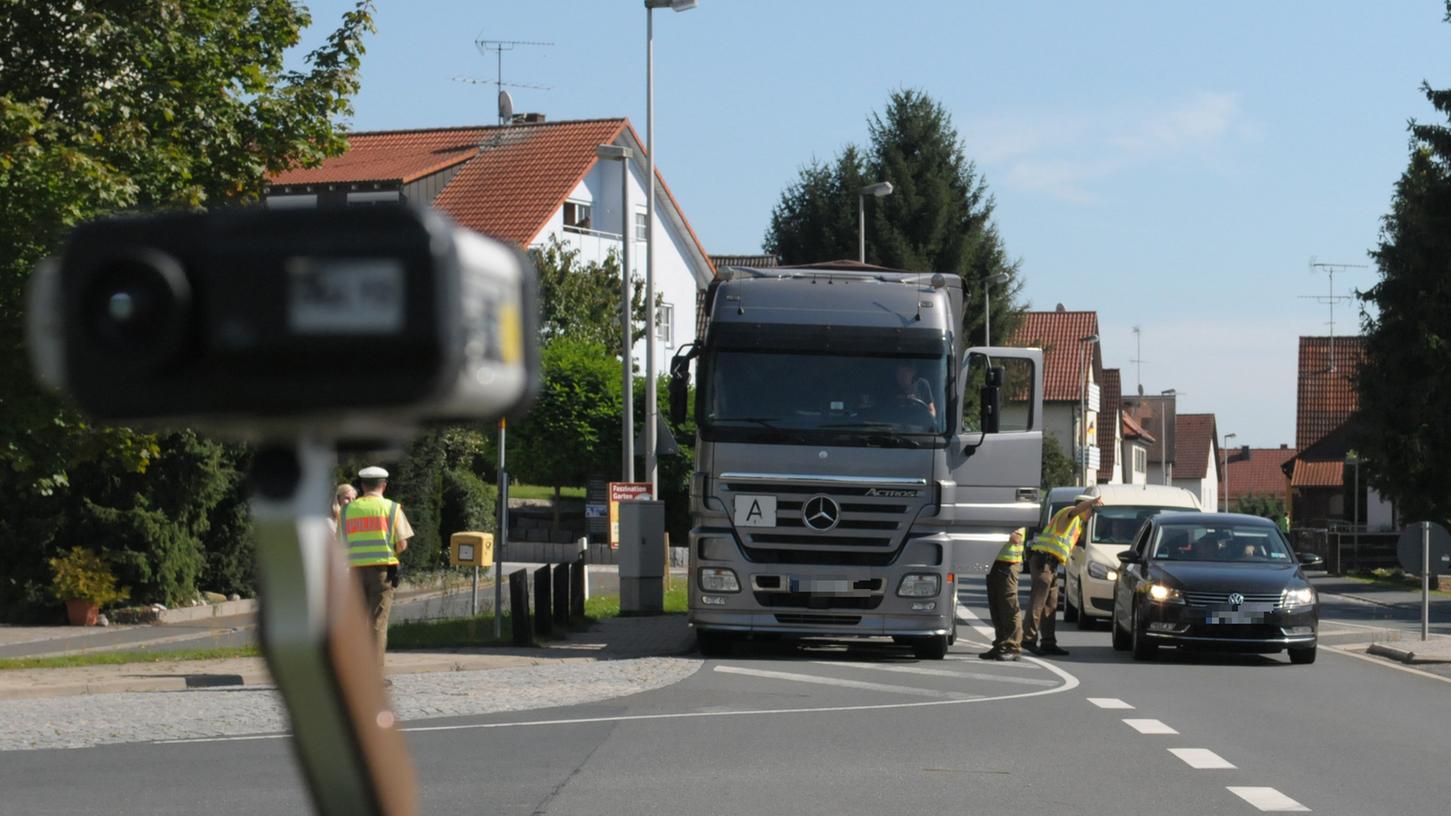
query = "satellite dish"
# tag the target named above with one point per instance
(506, 107)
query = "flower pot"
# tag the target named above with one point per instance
(81, 613)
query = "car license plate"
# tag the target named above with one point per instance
(755, 511)
(1235, 617)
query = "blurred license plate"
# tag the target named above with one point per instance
(819, 585)
(1235, 617)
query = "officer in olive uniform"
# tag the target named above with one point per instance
(1049, 551)
(1002, 600)
(376, 532)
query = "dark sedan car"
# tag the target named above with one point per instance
(1217, 581)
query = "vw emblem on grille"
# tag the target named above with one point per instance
(1235, 599)
(820, 513)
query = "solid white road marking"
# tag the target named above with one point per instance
(837, 681)
(967, 614)
(1069, 683)
(1201, 758)
(888, 667)
(1269, 800)
(1149, 727)
(1349, 651)
(1108, 702)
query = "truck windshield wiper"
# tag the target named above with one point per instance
(769, 424)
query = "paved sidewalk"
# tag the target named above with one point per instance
(611, 639)
(1383, 595)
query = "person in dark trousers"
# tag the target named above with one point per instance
(376, 532)
(1049, 551)
(1002, 600)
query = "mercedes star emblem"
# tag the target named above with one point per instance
(820, 513)
(1235, 599)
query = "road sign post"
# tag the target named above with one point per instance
(1425, 547)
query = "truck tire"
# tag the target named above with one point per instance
(930, 648)
(714, 644)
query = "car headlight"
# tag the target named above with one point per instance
(919, 585)
(1158, 593)
(1300, 596)
(1102, 572)
(719, 579)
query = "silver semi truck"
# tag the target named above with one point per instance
(852, 456)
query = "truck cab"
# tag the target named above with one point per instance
(852, 456)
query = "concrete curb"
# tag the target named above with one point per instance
(1372, 602)
(1405, 655)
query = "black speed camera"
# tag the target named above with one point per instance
(254, 321)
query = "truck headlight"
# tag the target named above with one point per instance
(1300, 596)
(919, 585)
(719, 579)
(1159, 593)
(1102, 572)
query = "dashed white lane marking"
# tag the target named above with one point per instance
(1201, 758)
(1149, 727)
(1269, 800)
(837, 681)
(887, 667)
(1108, 702)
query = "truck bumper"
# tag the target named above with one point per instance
(808, 623)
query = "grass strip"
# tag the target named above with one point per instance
(117, 658)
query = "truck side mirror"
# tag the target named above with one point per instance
(680, 383)
(992, 400)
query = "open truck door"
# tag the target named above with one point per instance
(995, 459)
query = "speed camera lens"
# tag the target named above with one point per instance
(136, 306)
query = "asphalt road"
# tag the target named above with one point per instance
(831, 730)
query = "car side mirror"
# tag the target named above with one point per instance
(1309, 559)
(1130, 557)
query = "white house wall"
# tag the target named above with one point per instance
(1207, 489)
(675, 279)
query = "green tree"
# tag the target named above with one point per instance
(573, 430)
(1405, 383)
(582, 300)
(937, 219)
(106, 107)
(1057, 467)
(1260, 504)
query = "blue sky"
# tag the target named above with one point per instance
(1171, 165)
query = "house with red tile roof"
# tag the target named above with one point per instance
(1321, 482)
(1196, 457)
(525, 183)
(1257, 472)
(1072, 375)
(1110, 433)
(1135, 446)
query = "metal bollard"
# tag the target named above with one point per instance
(519, 608)
(543, 586)
(576, 589)
(561, 596)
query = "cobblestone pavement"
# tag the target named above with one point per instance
(100, 719)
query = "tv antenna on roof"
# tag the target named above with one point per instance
(498, 47)
(1331, 299)
(1138, 361)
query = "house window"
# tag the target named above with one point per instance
(373, 198)
(665, 325)
(576, 216)
(642, 228)
(1141, 460)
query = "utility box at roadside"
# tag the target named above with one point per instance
(471, 549)
(642, 557)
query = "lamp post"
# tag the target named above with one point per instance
(1353, 459)
(651, 409)
(987, 305)
(611, 152)
(1225, 457)
(1164, 434)
(1084, 344)
(881, 188)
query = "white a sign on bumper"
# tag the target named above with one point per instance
(755, 511)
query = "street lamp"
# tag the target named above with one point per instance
(651, 409)
(611, 152)
(987, 305)
(1084, 343)
(1225, 457)
(1353, 459)
(881, 188)
(1164, 434)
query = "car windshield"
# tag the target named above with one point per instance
(1226, 543)
(836, 394)
(1118, 525)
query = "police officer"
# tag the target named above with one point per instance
(1049, 551)
(1002, 600)
(376, 532)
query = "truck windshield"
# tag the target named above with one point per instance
(863, 399)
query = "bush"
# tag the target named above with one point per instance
(81, 575)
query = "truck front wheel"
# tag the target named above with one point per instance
(930, 648)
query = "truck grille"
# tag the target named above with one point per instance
(869, 530)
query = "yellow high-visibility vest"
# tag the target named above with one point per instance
(367, 524)
(1012, 551)
(1057, 540)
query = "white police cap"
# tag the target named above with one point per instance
(373, 472)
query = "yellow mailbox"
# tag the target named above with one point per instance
(471, 549)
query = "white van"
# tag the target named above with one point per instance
(1092, 569)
